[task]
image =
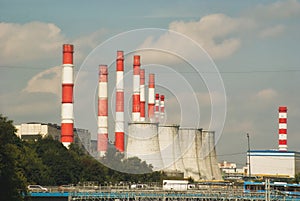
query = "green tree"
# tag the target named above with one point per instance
(92, 170)
(48, 162)
(12, 181)
(128, 169)
(64, 168)
(34, 169)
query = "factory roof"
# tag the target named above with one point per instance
(272, 153)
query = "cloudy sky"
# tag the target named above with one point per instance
(224, 66)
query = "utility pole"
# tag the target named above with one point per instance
(249, 163)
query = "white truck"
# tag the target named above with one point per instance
(175, 185)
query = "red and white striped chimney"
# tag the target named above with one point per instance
(136, 89)
(67, 117)
(102, 111)
(282, 128)
(157, 108)
(162, 108)
(142, 95)
(151, 97)
(119, 125)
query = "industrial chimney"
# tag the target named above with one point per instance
(282, 128)
(162, 108)
(136, 89)
(142, 95)
(151, 92)
(157, 108)
(102, 111)
(67, 117)
(119, 123)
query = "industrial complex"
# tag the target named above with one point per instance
(175, 150)
(170, 148)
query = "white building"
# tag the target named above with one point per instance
(33, 131)
(274, 163)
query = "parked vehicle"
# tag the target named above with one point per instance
(37, 188)
(175, 185)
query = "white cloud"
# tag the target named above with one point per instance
(221, 35)
(272, 31)
(36, 41)
(215, 33)
(48, 81)
(28, 42)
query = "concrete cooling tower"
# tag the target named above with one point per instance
(208, 155)
(190, 140)
(168, 136)
(142, 142)
(199, 154)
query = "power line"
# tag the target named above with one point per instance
(184, 72)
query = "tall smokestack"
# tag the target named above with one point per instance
(102, 111)
(142, 94)
(162, 108)
(67, 117)
(157, 108)
(151, 96)
(136, 89)
(282, 128)
(119, 125)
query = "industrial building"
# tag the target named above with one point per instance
(274, 163)
(168, 148)
(177, 151)
(279, 163)
(34, 131)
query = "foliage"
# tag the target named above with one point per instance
(12, 180)
(48, 162)
(137, 170)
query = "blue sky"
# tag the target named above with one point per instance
(254, 44)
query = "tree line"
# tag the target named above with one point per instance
(47, 162)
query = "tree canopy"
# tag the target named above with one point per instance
(12, 179)
(47, 162)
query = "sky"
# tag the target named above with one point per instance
(223, 65)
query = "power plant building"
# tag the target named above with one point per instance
(174, 150)
(142, 142)
(167, 148)
(274, 163)
(34, 131)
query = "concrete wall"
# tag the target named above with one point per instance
(189, 139)
(188, 150)
(213, 162)
(168, 136)
(273, 163)
(205, 156)
(142, 142)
